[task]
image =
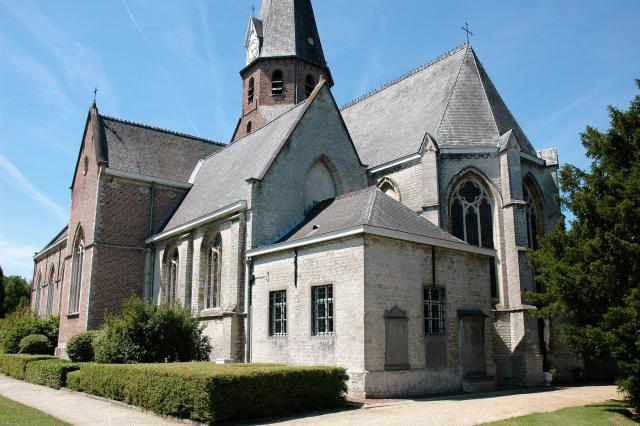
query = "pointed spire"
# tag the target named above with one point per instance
(289, 29)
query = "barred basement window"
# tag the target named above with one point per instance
(278, 313)
(251, 90)
(310, 85)
(276, 83)
(214, 268)
(435, 311)
(322, 310)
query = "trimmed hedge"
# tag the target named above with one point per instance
(15, 365)
(49, 372)
(206, 392)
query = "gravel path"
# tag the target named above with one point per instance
(76, 408)
(467, 409)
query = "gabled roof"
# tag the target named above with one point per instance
(368, 206)
(151, 151)
(287, 26)
(451, 98)
(60, 236)
(222, 178)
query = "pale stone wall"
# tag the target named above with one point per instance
(339, 263)
(408, 179)
(396, 273)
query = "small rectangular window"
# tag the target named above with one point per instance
(278, 313)
(435, 312)
(322, 310)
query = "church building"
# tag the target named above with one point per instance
(388, 236)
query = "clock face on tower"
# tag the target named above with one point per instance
(253, 48)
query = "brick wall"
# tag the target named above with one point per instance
(52, 261)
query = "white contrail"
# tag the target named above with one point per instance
(162, 70)
(17, 179)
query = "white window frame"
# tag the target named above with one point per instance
(441, 317)
(317, 304)
(278, 325)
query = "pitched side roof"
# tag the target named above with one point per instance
(287, 26)
(58, 238)
(451, 98)
(222, 178)
(138, 148)
(369, 206)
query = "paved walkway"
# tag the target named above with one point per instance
(467, 409)
(76, 408)
(80, 409)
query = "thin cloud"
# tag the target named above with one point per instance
(14, 177)
(162, 70)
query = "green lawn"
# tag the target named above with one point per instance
(13, 413)
(607, 413)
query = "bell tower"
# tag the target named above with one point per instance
(284, 62)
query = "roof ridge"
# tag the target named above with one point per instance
(404, 76)
(159, 129)
(453, 89)
(477, 66)
(245, 137)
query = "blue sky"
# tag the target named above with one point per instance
(175, 63)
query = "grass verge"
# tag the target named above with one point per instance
(14, 413)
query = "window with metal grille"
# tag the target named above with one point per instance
(310, 85)
(212, 282)
(278, 313)
(435, 311)
(322, 310)
(277, 85)
(251, 90)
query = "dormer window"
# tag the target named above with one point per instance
(276, 83)
(310, 84)
(311, 41)
(251, 90)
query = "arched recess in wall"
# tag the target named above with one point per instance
(171, 268)
(77, 264)
(472, 206)
(322, 182)
(36, 307)
(534, 210)
(210, 289)
(50, 290)
(389, 187)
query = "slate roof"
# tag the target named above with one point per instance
(59, 237)
(146, 150)
(286, 28)
(222, 178)
(368, 206)
(451, 98)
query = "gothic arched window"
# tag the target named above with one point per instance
(277, 85)
(471, 214)
(172, 278)
(76, 275)
(531, 216)
(310, 84)
(36, 308)
(212, 287)
(387, 186)
(50, 288)
(251, 90)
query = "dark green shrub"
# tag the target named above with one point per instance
(14, 365)
(35, 344)
(206, 392)
(80, 346)
(19, 325)
(145, 332)
(49, 372)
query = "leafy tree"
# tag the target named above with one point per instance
(17, 292)
(591, 272)
(1, 293)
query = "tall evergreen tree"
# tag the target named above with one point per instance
(591, 272)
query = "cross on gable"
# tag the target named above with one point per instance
(467, 30)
